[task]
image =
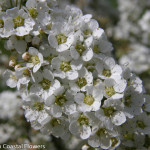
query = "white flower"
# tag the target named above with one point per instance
(107, 68)
(81, 48)
(84, 79)
(141, 123)
(133, 102)
(36, 59)
(111, 112)
(80, 125)
(19, 21)
(65, 67)
(61, 102)
(101, 137)
(9, 105)
(57, 127)
(90, 101)
(35, 111)
(61, 37)
(11, 78)
(44, 84)
(114, 88)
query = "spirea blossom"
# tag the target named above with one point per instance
(70, 84)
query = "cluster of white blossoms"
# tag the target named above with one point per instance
(133, 26)
(70, 84)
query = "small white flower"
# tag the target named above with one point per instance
(35, 111)
(61, 102)
(36, 59)
(90, 101)
(19, 21)
(61, 37)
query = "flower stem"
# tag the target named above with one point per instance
(20, 4)
(11, 3)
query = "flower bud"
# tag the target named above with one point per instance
(17, 66)
(26, 56)
(12, 62)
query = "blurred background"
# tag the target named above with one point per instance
(127, 26)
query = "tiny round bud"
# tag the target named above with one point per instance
(26, 56)
(12, 63)
(17, 66)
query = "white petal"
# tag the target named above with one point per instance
(33, 51)
(79, 98)
(119, 118)
(56, 111)
(94, 141)
(52, 41)
(50, 100)
(98, 33)
(36, 67)
(74, 53)
(85, 132)
(47, 74)
(87, 55)
(72, 75)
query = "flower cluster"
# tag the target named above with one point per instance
(132, 27)
(70, 84)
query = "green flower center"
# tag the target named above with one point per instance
(60, 100)
(129, 136)
(114, 141)
(38, 106)
(13, 77)
(83, 120)
(49, 58)
(35, 59)
(89, 100)
(108, 111)
(33, 12)
(1, 23)
(81, 82)
(128, 101)
(26, 72)
(45, 84)
(61, 39)
(101, 132)
(49, 26)
(65, 66)
(87, 32)
(140, 124)
(80, 48)
(106, 73)
(110, 91)
(96, 49)
(55, 122)
(18, 21)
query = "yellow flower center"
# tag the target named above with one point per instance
(81, 82)
(55, 122)
(83, 120)
(1, 23)
(38, 106)
(65, 66)
(140, 124)
(33, 12)
(106, 73)
(89, 100)
(18, 21)
(80, 48)
(60, 100)
(61, 39)
(110, 91)
(35, 59)
(45, 84)
(108, 111)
